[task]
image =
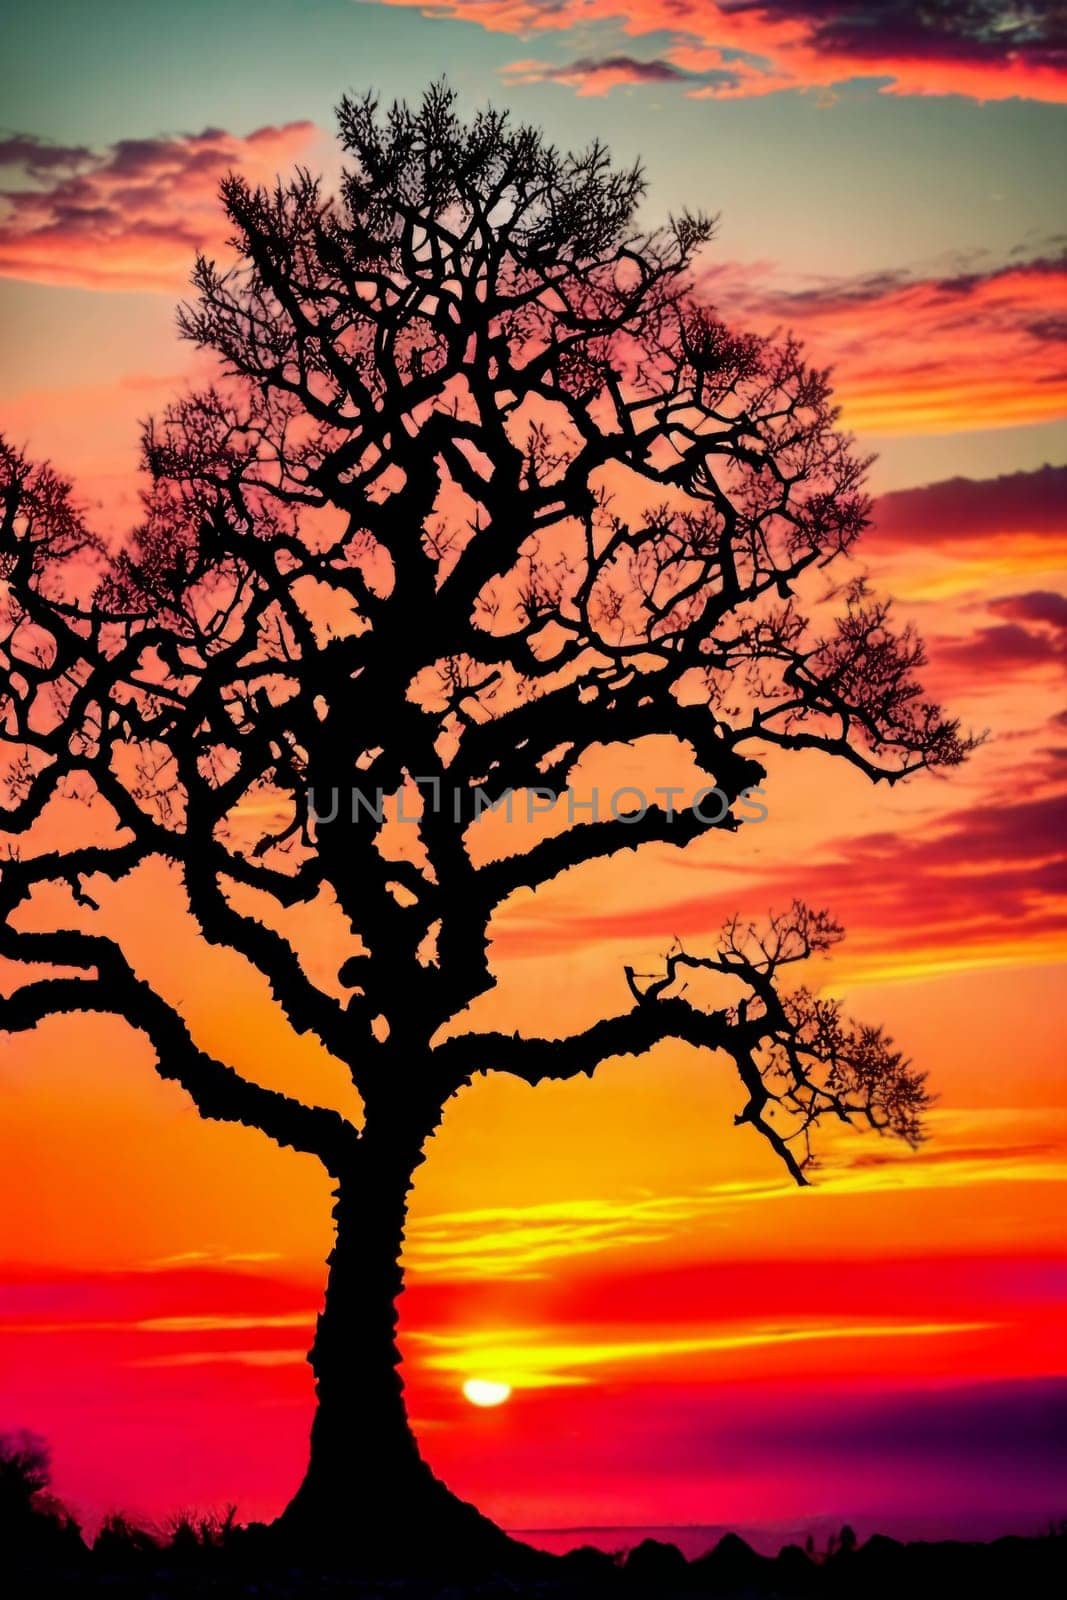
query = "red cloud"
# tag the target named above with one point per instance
(985, 49)
(1040, 606)
(132, 216)
(923, 354)
(969, 510)
(1033, 634)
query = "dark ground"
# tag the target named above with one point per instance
(43, 1552)
(129, 1567)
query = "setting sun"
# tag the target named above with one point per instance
(486, 1392)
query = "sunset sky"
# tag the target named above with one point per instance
(687, 1337)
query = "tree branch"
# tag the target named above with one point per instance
(218, 1091)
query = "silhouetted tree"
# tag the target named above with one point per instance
(482, 487)
(25, 1471)
(123, 1545)
(35, 1528)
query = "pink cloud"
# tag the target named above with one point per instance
(1030, 632)
(984, 50)
(131, 216)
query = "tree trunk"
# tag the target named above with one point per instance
(367, 1495)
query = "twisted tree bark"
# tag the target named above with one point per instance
(367, 1490)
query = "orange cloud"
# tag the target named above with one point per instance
(131, 216)
(984, 50)
(923, 355)
(983, 885)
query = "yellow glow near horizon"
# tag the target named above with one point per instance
(486, 1391)
(540, 1359)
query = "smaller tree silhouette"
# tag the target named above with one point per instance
(483, 489)
(25, 1469)
(36, 1530)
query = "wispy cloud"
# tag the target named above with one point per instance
(524, 1242)
(543, 1357)
(982, 885)
(701, 73)
(519, 1241)
(223, 1358)
(205, 1322)
(213, 1258)
(916, 353)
